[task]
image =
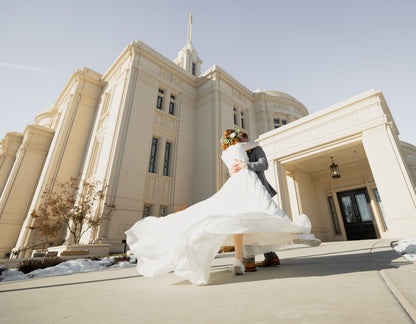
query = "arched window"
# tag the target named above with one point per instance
(172, 105)
(159, 102)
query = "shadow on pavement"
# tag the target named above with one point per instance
(70, 283)
(324, 264)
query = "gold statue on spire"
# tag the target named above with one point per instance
(190, 29)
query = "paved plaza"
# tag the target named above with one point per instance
(338, 282)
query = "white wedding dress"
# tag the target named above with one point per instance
(186, 242)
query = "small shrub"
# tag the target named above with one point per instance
(94, 258)
(31, 265)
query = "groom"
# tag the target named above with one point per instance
(257, 163)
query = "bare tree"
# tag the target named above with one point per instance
(47, 225)
(71, 205)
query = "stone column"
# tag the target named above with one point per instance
(269, 121)
(78, 104)
(292, 196)
(281, 185)
(207, 162)
(167, 100)
(392, 179)
(21, 185)
(11, 144)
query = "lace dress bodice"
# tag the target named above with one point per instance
(236, 152)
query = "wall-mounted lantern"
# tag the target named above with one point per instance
(334, 169)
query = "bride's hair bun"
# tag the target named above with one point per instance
(230, 137)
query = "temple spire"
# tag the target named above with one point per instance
(188, 58)
(190, 29)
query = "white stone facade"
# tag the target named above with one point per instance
(121, 126)
(361, 136)
(103, 126)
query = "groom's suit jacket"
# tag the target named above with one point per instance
(258, 163)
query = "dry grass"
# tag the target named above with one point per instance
(121, 258)
(226, 249)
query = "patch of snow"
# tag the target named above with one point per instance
(406, 248)
(133, 259)
(123, 264)
(67, 267)
(12, 274)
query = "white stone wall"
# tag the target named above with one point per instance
(104, 125)
(76, 109)
(361, 135)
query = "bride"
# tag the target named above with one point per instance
(241, 213)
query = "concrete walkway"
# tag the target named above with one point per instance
(338, 282)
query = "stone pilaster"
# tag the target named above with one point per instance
(389, 171)
(78, 103)
(21, 185)
(8, 150)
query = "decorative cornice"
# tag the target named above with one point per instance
(84, 74)
(140, 48)
(37, 130)
(220, 73)
(11, 143)
(270, 96)
(371, 94)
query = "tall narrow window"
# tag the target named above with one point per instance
(167, 158)
(147, 210)
(159, 102)
(235, 116)
(172, 105)
(276, 122)
(242, 120)
(153, 151)
(334, 215)
(162, 211)
(193, 69)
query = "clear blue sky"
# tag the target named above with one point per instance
(321, 52)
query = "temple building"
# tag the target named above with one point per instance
(150, 127)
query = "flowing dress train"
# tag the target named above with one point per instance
(187, 241)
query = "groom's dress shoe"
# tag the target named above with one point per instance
(269, 262)
(250, 266)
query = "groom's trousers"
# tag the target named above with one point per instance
(267, 256)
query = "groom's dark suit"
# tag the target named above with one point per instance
(258, 163)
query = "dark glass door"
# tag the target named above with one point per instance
(356, 213)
